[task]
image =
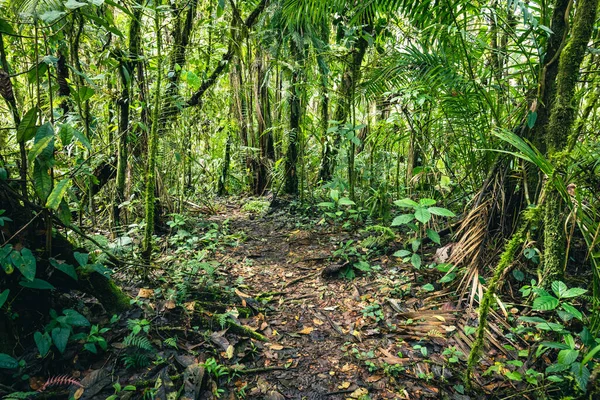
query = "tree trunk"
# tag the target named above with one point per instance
(350, 78)
(291, 176)
(562, 116)
(153, 146)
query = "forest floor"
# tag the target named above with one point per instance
(386, 334)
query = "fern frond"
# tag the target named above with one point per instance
(140, 342)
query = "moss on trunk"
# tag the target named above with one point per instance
(562, 116)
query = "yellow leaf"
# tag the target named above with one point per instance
(317, 322)
(306, 330)
(344, 385)
(229, 352)
(78, 393)
(276, 347)
(439, 317)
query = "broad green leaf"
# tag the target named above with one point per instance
(26, 129)
(6, 27)
(426, 202)
(402, 253)
(415, 260)
(82, 258)
(43, 342)
(57, 194)
(428, 287)
(582, 375)
(39, 284)
(574, 292)
(64, 267)
(4, 297)
(518, 275)
(65, 132)
(442, 212)
(514, 376)
(64, 213)
(403, 219)
(8, 362)
(415, 244)
(85, 93)
(74, 4)
(91, 347)
(36, 71)
(42, 180)
(422, 215)
(51, 16)
(60, 337)
(82, 139)
(344, 201)
(559, 288)
(433, 235)
(41, 134)
(39, 147)
(448, 278)
(25, 262)
(326, 204)
(567, 356)
(75, 319)
(545, 303)
(408, 203)
(572, 310)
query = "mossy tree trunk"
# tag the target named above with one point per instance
(150, 197)
(558, 133)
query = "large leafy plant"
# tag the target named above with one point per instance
(418, 220)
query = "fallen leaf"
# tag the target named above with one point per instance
(276, 347)
(78, 393)
(306, 330)
(373, 378)
(170, 304)
(189, 305)
(390, 358)
(317, 322)
(145, 293)
(229, 352)
(344, 385)
(359, 393)
(439, 317)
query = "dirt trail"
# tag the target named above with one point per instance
(316, 325)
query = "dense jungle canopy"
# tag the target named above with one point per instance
(299, 199)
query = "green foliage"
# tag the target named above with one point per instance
(418, 221)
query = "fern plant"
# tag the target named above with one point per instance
(138, 350)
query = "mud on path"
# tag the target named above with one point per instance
(339, 338)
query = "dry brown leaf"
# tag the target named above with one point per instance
(170, 304)
(306, 330)
(373, 378)
(390, 358)
(276, 347)
(348, 367)
(317, 322)
(145, 293)
(344, 385)
(190, 305)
